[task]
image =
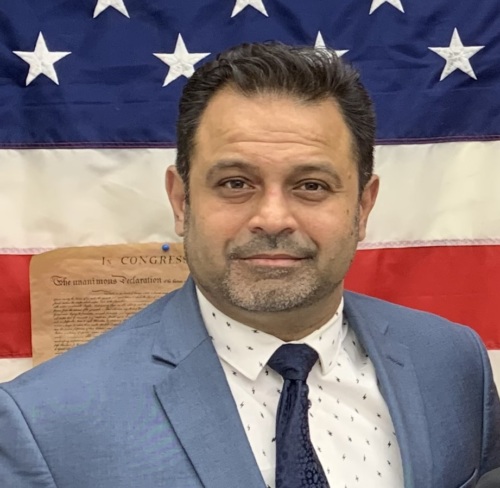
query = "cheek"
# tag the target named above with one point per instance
(325, 224)
(218, 219)
(212, 233)
(219, 227)
(329, 229)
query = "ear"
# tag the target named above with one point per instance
(366, 203)
(177, 196)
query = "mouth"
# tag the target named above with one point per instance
(274, 260)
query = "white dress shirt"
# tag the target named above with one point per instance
(351, 429)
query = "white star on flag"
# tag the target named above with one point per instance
(181, 62)
(320, 43)
(102, 5)
(457, 56)
(395, 3)
(256, 4)
(41, 61)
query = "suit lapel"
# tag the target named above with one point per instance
(399, 386)
(197, 399)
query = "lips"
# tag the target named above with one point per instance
(274, 256)
(273, 259)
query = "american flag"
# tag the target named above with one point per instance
(88, 101)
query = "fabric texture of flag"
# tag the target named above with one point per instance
(88, 103)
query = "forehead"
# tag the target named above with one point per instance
(233, 121)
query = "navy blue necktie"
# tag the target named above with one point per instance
(297, 465)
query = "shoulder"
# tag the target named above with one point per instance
(382, 309)
(447, 358)
(117, 353)
(418, 329)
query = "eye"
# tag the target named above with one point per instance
(312, 186)
(312, 190)
(235, 184)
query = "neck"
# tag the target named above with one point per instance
(290, 325)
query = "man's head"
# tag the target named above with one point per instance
(306, 74)
(275, 152)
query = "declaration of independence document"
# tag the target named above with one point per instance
(78, 293)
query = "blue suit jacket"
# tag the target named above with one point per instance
(147, 404)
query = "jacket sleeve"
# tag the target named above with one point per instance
(21, 462)
(490, 455)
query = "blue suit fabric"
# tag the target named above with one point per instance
(148, 405)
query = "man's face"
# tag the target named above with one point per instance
(274, 214)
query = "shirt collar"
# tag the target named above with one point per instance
(247, 350)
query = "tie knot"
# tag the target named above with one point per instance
(293, 361)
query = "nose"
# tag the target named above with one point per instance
(273, 214)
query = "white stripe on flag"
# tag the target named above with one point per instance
(436, 194)
(442, 194)
(10, 368)
(69, 197)
(495, 364)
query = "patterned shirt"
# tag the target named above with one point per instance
(351, 428)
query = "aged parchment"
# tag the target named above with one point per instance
(78, 293)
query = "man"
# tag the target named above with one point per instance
(210, 386)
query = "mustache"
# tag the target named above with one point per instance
(276, 244)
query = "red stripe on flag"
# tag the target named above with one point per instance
(15, 315)
(461, 283)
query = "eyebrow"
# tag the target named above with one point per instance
(230, 164)
(320, 168)
(297, 170)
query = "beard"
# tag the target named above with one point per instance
(256, 288)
